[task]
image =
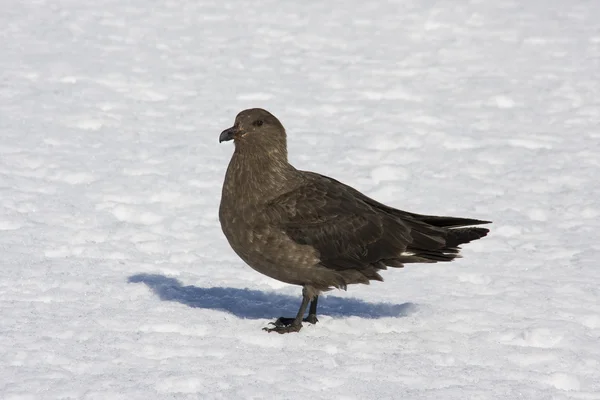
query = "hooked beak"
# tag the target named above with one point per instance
(228, 134)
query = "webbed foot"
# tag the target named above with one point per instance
(284, 328)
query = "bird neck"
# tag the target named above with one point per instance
(258, 175)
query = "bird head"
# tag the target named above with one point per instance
(253, 126)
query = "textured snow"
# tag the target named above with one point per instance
(117, 282)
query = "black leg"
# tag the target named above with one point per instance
(311, 319)
(312, 311)
(296, 324)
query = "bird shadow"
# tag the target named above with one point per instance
(254, 304)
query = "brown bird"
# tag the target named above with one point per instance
(310, 230)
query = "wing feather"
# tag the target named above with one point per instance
(347, 232)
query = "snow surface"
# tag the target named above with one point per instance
(117, 283)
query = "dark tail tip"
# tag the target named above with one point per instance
(460, 236)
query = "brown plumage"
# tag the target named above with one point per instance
(310, 230)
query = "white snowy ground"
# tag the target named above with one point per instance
(117, 283)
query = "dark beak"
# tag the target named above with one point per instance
(228, 134)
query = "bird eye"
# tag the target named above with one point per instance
(258, 122)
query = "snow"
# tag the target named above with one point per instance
(117, 282)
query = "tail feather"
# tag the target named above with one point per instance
(460, 236)
(439, 244)
(448, 222)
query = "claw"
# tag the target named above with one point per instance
(283, 321)
(287, 325)
(284, 329)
